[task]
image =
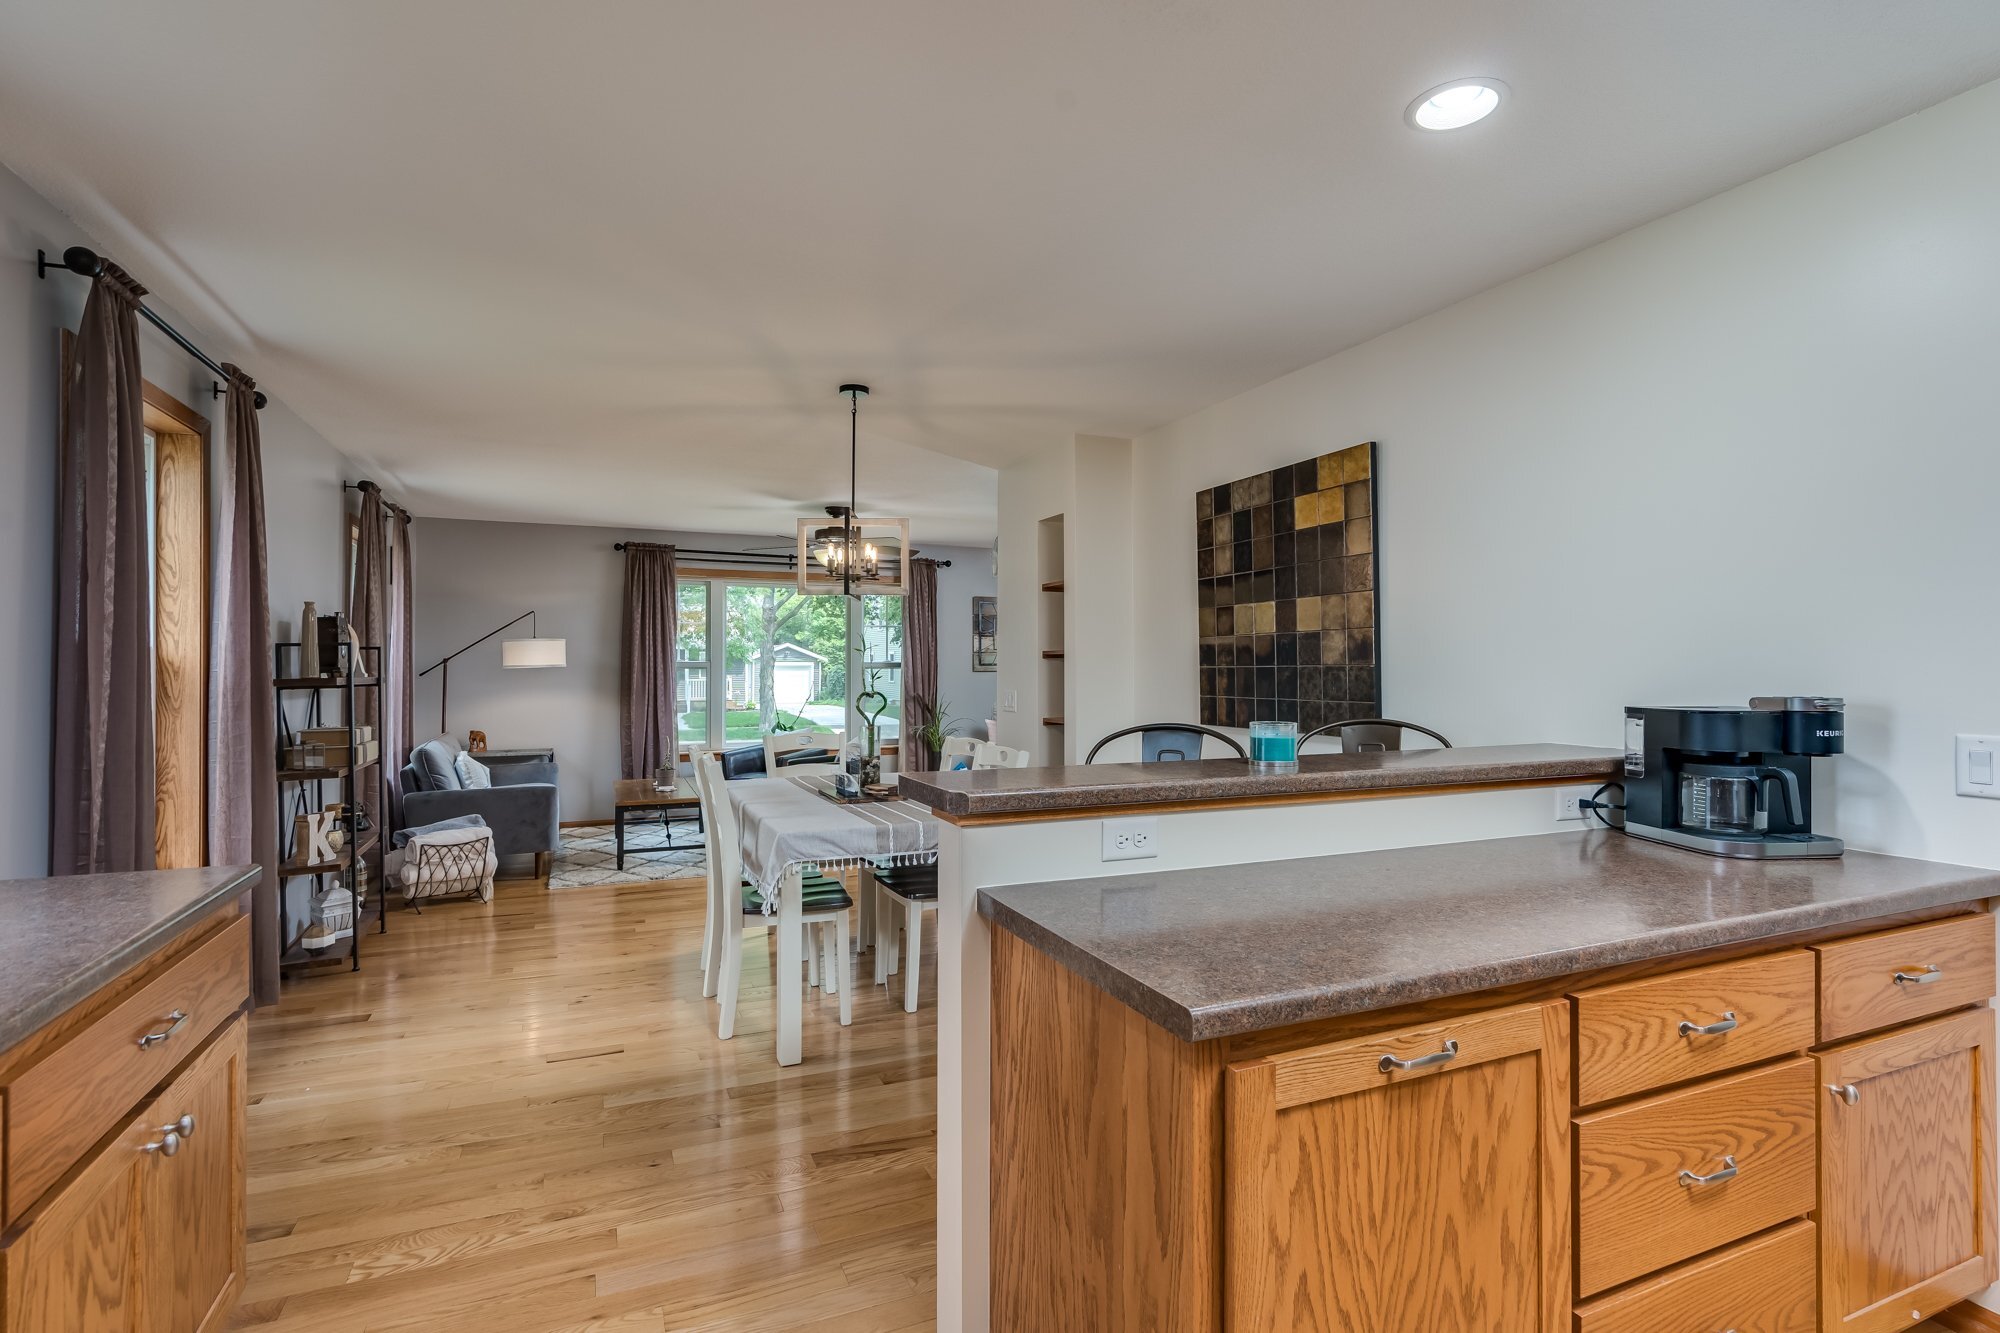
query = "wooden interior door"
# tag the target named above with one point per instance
(1906, 1203)
(1363, 1195)
(191, 1223)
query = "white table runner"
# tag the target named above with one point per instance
(785, 822)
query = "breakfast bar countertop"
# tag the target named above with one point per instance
(63, 939)
(1054, 791)
(1228, 950)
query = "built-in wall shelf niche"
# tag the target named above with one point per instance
(1049, 624)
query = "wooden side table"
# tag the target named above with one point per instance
(637, 796)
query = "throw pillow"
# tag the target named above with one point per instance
(475, 775)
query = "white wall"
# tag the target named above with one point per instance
(302, 477)
(1089, 483)
(1749, 448)
(471, 576)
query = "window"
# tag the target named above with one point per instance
(882, 659)
(691, 662)
(786, 661)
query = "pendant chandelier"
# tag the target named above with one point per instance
(852, 554)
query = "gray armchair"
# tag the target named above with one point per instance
(520, 807)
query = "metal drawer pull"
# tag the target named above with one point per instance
(183, 1127)
(175, 1022)
(1847, 1092)
(1727, 1023)
(1728, 1172)
(169, 1144)
(1932, 972)
(1390, 1064)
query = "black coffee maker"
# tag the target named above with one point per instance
(1731, 781)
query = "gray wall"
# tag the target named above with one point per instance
(302, 477)
(471, 576)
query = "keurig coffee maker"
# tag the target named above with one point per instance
(1731, 781)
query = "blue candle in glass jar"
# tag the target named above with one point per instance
(1274, 747)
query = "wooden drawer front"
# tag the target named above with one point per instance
(1641, 1035)
(1858, 990)
(1634, 1211)
(60, 1107)
(1761, 1286)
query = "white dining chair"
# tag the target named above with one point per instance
(817, 955)
(985, 754)
(736, 907)
(956, 748)
(781, 743)
(915, 890)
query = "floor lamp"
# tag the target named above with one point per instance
(531, 652)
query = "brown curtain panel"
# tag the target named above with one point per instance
(649, 734)
(242, 718)
(399, 684)
(368, 612)
(920, 659)
(101, 783)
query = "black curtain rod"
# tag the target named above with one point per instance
(371, 486)
(83, 260)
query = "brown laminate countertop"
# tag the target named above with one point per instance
(1243, 948)
(1015, 791)
(62, 939)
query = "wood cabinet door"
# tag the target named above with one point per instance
(1412, 1182)
(1906, 1206)
(191, 1221)
(75, 1267)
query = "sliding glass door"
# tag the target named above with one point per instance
(761, 657)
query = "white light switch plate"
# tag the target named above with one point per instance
(1977, 766)
(1131, 839)
(1010, 701)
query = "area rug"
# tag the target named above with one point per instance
(589, 856)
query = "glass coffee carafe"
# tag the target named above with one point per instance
(1729, 798)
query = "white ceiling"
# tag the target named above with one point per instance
(606, 262)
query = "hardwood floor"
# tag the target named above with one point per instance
(517, 1119)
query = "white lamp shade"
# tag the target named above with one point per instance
(534, 652)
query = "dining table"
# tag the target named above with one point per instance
(796, 822)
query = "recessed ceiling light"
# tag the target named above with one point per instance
(1454, 105)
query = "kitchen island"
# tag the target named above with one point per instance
(1015, 826)
(1568, 1081)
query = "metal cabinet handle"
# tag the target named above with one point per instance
(175, 1022)
(183, 1127)
(1932, 972)
(1390, 1064)
(1728, 1172)
(1847, 1092)
(169, 1144)
(1727, 1023)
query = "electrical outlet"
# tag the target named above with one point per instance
(1131, 839)
(1569, 804)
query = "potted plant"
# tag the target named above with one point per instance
(934, 727)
